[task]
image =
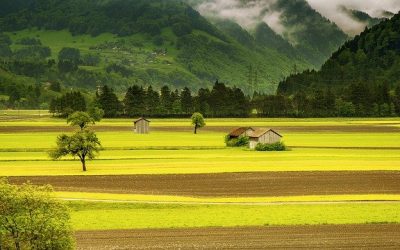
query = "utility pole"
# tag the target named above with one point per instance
(250, 79)
(255, 80)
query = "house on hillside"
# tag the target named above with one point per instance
(243, 131)
(141, 126)
(256, 135)
(265, 136)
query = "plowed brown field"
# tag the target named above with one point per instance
(303, 237)
(231, 184)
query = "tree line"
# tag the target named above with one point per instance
(359, 100)
(222, 101)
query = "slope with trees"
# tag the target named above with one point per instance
(83, 43)
(363, 74)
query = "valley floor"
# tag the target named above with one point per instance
(337, 187)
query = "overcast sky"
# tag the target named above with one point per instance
(247, 14)
(331, 10)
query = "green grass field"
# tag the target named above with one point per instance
(103, 216)
(116, 162)
(138, 198)
(130, 140)
(212, 122)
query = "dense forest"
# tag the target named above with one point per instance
(363, 75)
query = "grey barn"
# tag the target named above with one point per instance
(257, 135)
(265, 136)
(141, 126)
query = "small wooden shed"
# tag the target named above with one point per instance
(141, 126)
(265, 136)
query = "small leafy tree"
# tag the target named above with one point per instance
(83, 144)
(30, 218)
(198, 121)
(83, 119)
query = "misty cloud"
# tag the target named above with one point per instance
(333, 10)
(246, 13)
(251, 12)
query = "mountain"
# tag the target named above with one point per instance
(365, 18)
(81, 44)
(121, 42)
(364, 71)
(313, 36)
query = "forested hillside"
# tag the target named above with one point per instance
(292, 22)
(364, 75)
(122, 42)
(314, 36)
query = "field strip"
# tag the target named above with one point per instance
(118, 215)
(272, 203)
(37, 127)
(369, 236)
(176, 148)
(228, 185)
(283, 200)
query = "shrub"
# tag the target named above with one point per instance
(30, 218)
(241, 141)
(278, 146)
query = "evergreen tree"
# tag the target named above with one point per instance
(239, 103)
(186, 101)
(108, 101)
(218, 99)
(166, 100)
(201, 101)
(152, 101)
(68, 104)
(135, 101)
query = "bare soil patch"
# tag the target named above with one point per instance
(231, 184)
(286, 237)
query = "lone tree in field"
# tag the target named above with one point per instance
(83, 144)
(83, 119)
(198, 121)
(30, 218)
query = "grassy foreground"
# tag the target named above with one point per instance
(107, 216)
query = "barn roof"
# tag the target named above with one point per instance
(239, 131)
(141, 118)
(262, 131)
